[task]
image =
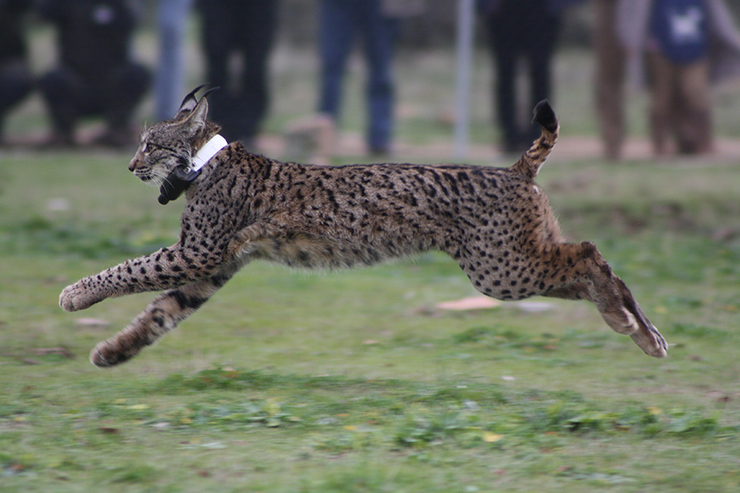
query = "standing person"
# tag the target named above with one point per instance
(95, 73)
(377, 21)
(243, 31)
(678, 65)
(15, 75)
(686, 44)
(172, 18)
(521, 30)
(610, 73)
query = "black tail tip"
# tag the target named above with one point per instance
(545, 116)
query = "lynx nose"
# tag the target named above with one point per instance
(133, 164)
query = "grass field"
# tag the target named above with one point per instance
(354, 381)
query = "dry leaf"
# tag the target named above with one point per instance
(473, 303)
(534, 306)
(490, 437)
(95, 323)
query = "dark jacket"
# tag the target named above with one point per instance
(12, 40)
(93, 35)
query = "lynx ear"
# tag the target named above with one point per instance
(196, 118)
(190, 101)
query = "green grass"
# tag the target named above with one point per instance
(352, 381)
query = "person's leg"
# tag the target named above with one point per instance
(15, 84)
(336, 25)
(172, 17)
(256, 41)
(379, 35)
(218, 24)
(661, 100)
(63, 91)
(539, 47)
(505, 53)
(610, 68)
(694, 118)
(125, 89)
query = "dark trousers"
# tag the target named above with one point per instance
(15, 84)
(244, 30)
(521, 30)
(69, 96)
(339, 22)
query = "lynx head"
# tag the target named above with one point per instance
(169, 146)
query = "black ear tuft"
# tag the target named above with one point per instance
(190, 101)
(209, 91)
(545, 116)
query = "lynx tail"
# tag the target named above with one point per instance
(531, 161)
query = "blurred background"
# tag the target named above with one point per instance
(424, 79)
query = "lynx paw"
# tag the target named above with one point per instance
(75, 297)
(642, 332)
(103, 356)
(645, 335)
(651, 341)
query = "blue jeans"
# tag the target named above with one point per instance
(172, 18)
(339, 20)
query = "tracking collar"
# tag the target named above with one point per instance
(182, 176)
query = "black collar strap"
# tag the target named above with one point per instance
(182, 176)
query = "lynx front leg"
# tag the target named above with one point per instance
(580, 272)
(165, 269)
(162, 315)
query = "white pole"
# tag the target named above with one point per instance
(465, 29)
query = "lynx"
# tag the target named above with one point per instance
(495, 222)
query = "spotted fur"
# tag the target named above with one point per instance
(495, 222)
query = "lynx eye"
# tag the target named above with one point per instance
(149, 148)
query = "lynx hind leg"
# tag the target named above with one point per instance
(645, 335)
(582, 272)
(159, 317)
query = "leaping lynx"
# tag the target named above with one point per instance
(495, 222)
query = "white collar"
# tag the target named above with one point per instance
(206, 152)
